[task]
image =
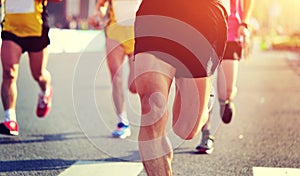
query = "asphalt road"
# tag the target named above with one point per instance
(264, 133)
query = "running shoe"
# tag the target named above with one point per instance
(122, 131)
(9, 128)
(206, 145)
(44, 104)
(227, 111)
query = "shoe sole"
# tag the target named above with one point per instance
(123, 136)
(44, 114)
(14, 133)
(5, 131)
(204, 151)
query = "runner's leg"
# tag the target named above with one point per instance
(153, 81)
(10, 57)
(38, 63)
(115, 59)
(227, 78)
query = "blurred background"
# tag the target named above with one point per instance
(274, 24)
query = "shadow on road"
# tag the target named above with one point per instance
(35, 165)
(43, 138)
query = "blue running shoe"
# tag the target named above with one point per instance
(122, 131)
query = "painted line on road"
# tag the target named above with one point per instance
(101, 168)
(264, 171)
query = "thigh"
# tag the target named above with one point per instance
(10, 55)
(147, 64)
(115, 54)
(38, 61)
(227, 79)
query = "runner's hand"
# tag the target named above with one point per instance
(245, 36)
(97, 20)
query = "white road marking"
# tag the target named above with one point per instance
(265, 171)
(101, 168)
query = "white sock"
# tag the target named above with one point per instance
(123, 118)
(10, 114)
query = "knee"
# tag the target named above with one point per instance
(132, 87)
(153, 102)
(40, 76)
(153, 108)
(10, 74)
(37, 76)
(116, 79)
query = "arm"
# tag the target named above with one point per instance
(97, 19)
(243, 31)
(247, 10)
(99, 4)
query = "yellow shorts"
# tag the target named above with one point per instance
(122, 34)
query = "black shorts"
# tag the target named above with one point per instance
(29, 44)
(233, 51)
(190, 36)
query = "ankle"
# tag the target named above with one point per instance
(10, 115)
(122, 117)
(224, 102)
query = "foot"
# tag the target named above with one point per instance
(44, 104)
(9, 128)
(227, 111)
(206, 145)
(122, 131)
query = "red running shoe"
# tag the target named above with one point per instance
(9, 128)
(44, 104)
